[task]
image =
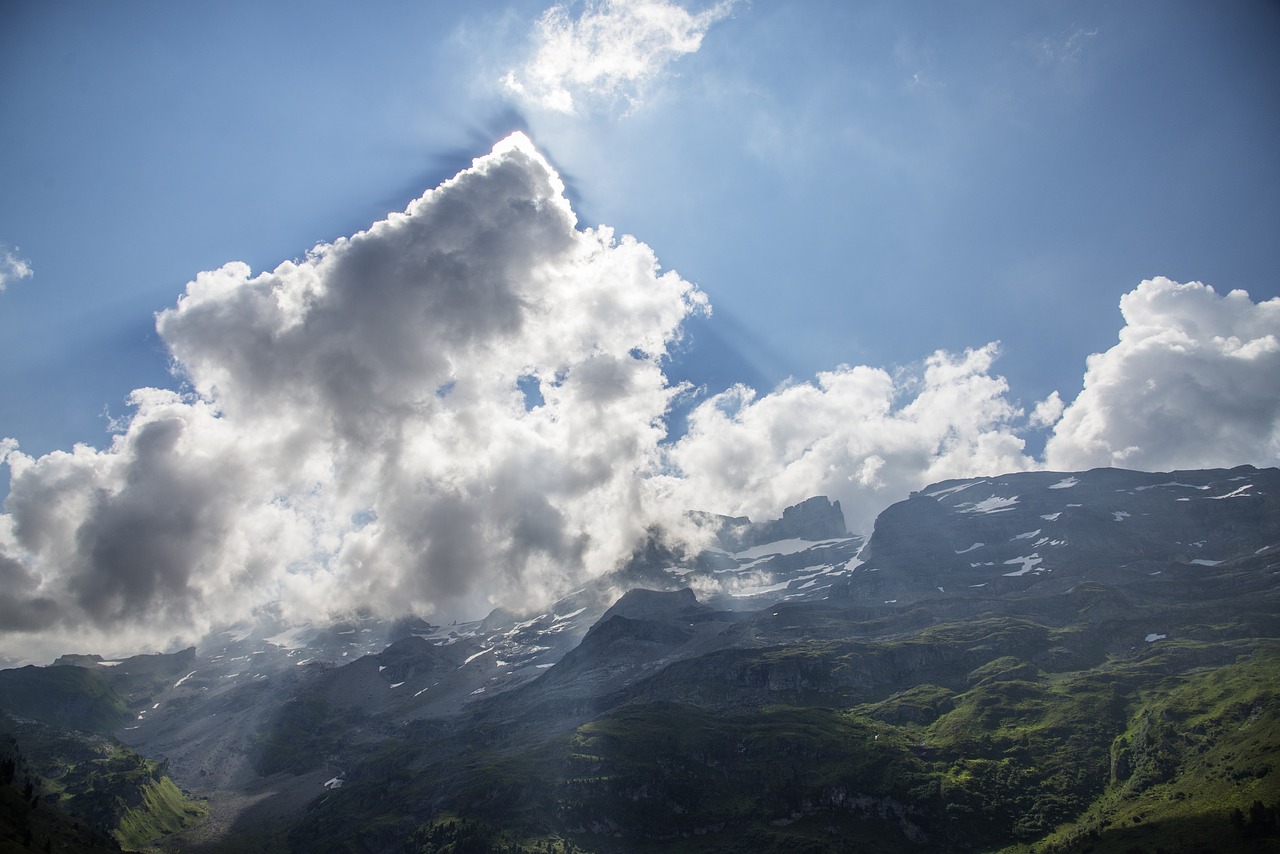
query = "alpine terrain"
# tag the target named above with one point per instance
(1042, 661)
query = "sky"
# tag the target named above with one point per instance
(444, 305)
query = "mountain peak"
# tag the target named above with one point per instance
(642, 604)
(816, 518)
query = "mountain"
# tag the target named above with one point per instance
(1039, 531)
(1081, 661)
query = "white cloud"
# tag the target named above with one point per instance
(360, 427)
(857, 435)
(1047, 412)
(1191, 383)
(609, 53)
(357, 434)
(12, 267)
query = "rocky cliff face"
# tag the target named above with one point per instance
(1050, 530)
(816, 518)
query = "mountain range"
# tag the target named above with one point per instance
(1042, 661)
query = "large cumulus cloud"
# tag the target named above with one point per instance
(459, 406)
(1194, 381)
(465, 406)
(859, 434)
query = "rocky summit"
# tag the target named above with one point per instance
(1040, 661)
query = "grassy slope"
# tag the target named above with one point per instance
(1137, 751)
(1197, 748)
(101, 785)
(1057, 729)
(163, 810)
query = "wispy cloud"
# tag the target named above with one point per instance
(12, 266)
(610, 53)
(1066, 49)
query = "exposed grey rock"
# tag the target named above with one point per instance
(1050, 530)
(816, 518)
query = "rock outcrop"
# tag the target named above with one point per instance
(816, 518)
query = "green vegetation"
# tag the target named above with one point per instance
(72, 697)
(984, 735)
(163, 810)
(1196, 766)
(448, 834)
(91, 792)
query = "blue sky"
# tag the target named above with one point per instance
(852, 187)
(849, 182)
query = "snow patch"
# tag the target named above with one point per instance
(396, 684)
(184, 679)
(1236, 494)
(994, 504)
(1029, 563)
(971, 548)
(1051, 517)
(760, 590)
(1028, 535)
(1119, 515)
(952, 489)
(1172, 483)
(1153, 637)
(290, 638)
(1065, 483)
(784, 547)
(472, 658)
(1202, 562)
